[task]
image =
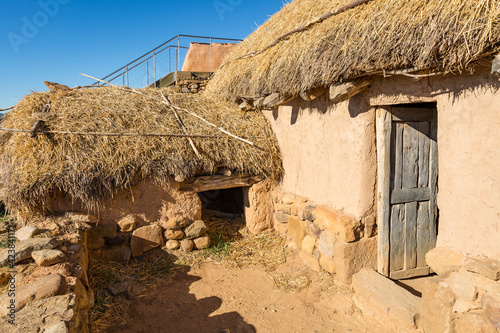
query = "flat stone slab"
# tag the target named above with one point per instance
(486, 267)
(444, 261)
(26, 232)
(47, 286)
(48, 257)
(24, 249)
(386, 297)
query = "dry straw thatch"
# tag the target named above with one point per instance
(93, 168)
(379, 35)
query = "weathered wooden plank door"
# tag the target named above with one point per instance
(408, 170)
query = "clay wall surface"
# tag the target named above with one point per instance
(198, 57)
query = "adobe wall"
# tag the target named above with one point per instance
(328, 152)
(198, 57)
(469, 154)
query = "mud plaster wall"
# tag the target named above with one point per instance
(328, 152)
(198, 57)
(469, 153)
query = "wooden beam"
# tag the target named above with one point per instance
(343, 91)
(274, 100)
(313, 93)
(218, 182)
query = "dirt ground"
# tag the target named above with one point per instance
(211, 298)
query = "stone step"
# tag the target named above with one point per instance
(381, 298)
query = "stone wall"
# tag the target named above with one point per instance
(464, 296)
(327, 239)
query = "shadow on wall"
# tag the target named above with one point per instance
(173, 309)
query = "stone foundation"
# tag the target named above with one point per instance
(464, 296)
(327, 239)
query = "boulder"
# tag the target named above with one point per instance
(26, 232)
(175, 223)
(59, 327)
(380, 297)
(296, 230)
(280, 217)
(202, 242)
(486, 267)
(313, 230)
(327, 264)
(174, 234)
(259, 207)
(350, 258)
(47, 286)
(128, 223)
(25, 248)
(297, 208)
(472, 322)
(344, 227)
(195, 230)
(444, 261)
(187, 245)
(282, 208)
(145, 239)
(491, 309)
(462, 285)
(173, 244)
(308, 245)
(436, 306)
(48, 257)
(326, 243)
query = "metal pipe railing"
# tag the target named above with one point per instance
(155, 55)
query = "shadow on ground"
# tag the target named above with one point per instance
(173, 309)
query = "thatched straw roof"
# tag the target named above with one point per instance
(94, 167)
(378, 35)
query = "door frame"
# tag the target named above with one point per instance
(384, 119)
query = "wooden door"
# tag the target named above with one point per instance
(408, 170)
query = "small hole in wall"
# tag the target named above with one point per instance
(227, 201)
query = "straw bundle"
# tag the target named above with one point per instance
(92, 168)
(375, 36)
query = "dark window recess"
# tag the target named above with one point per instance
(227, 201)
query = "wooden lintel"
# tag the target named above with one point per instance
(314, 93)
(343, 91)
(218, 182)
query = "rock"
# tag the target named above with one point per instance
(280, 217)
(282, 208)
(196, 229)
(380, 296)
(4, 227)
(296, 230)
(82, 218)
(327, 264)
(128, 223)
(444, 261)
(120, 254)
(73, 247)
(259, 208)
(310, 261)
(344, 227)
(282, 228)
(26, 232)
(187, 245)
(461, 306)
(486, 267)
(436, 306)
(370, 224)
(491, 309)
(173, 244)
(462, 285)
(326, 243)
(202, 242)
(288, 199)
(174, 234)
(59, 327)
(472, 322)
(175, 223)
(350, 258)
(25, 248)
(313, 230)
(309, 213)
(47, 286)
(308, 245)
(48, 257)
(42, 315)
(145, 239)
(297, 208)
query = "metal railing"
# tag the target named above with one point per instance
(157, 63)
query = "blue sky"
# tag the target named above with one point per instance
(55, 40)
